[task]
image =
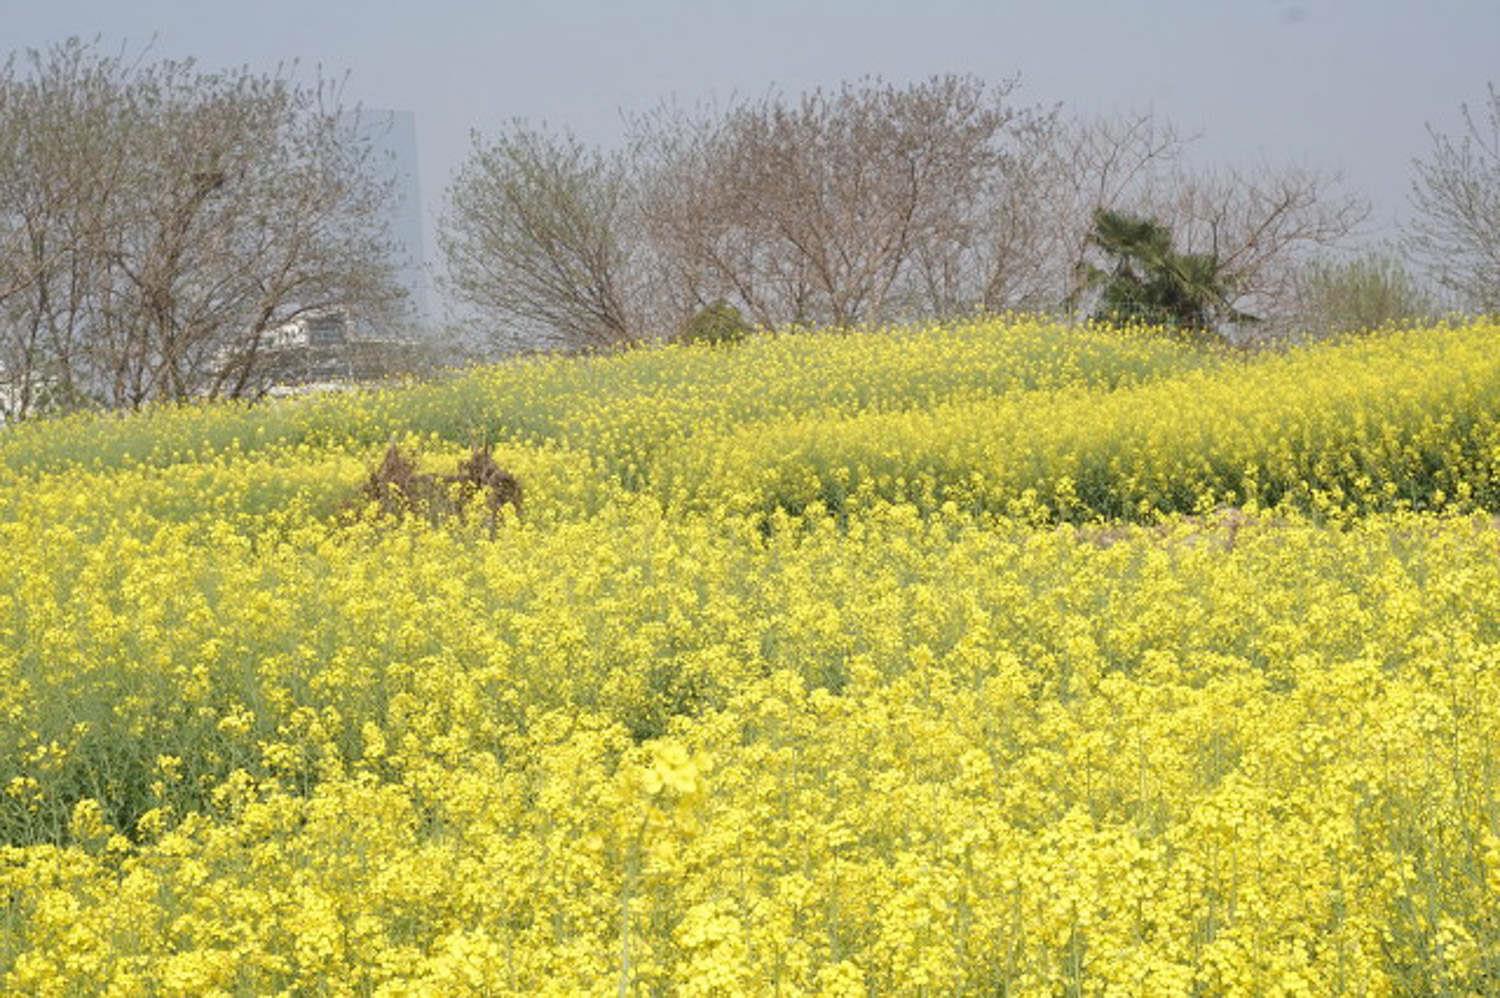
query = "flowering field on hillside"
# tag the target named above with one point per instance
(996, 658)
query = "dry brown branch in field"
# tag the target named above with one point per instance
(397, 489)
(479, 473)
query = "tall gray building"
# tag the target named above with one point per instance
(393, 138)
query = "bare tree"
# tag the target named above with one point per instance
(708, 240)
(1261, 225)
(839, 208)
(58, 169)
(537, 238)
(173, 217)
(1456, 194)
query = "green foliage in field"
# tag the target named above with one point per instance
(719, 323)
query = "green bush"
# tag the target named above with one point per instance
(1368, 292)
(719, 323)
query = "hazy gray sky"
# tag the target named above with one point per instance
(1346, 84)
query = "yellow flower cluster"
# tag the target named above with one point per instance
(623, 409)
(710, 726)
(1407, 421)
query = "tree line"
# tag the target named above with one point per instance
(158, 221)
(869, 203)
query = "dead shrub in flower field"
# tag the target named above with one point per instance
(397, 489)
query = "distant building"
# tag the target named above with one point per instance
(40, 393)
(324, 328)
(10, 393)
(324, 347)
(393, 138)
(327, 347)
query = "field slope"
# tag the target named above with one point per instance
(996, 657)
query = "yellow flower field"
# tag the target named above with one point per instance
(990, 658)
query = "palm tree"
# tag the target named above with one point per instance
(1149, 281)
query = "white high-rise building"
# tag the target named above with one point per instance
(393, 138)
